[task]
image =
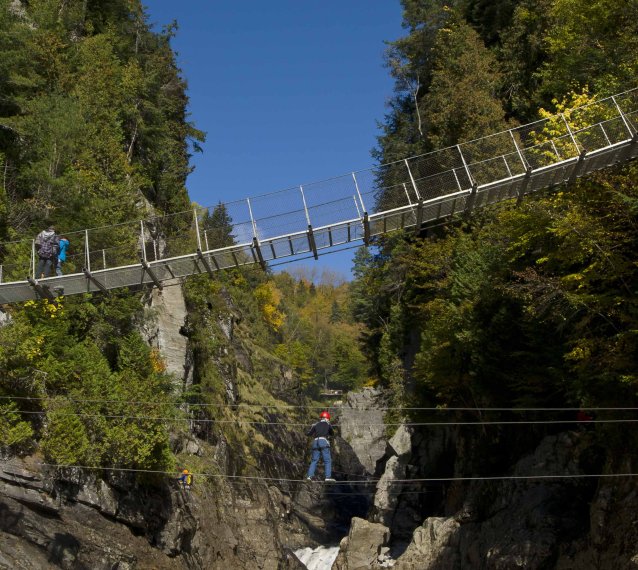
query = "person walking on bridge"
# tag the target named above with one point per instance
(321, 447)
(46, 245)
(63, 247)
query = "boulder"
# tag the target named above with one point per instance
(361, 549)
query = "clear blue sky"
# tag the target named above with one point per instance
(288, 91)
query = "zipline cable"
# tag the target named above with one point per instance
(390, 482)
(294, 424)
(328, 407)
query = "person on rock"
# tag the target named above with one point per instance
(321, 447)
(186, 479)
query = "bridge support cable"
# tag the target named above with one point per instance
(204, 262)
(526, 165)
(465, 166)
(416, 190)
(558, 156)
(309, 234)
(507, 167)
(458, 182)
(571, 134)
(42, 291)
(407, 195)
(90, 277)
(469, 205)
(260, 256)
(365, 220)
(256, 248)
(356, 205)
(196, 220)
(151, 274)
(356, 185)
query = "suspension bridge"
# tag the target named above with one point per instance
(320, 217)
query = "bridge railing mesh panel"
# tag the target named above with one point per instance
(17, 260)
(226, 224)
(370, 184)
(439, 173)
(492, 158)
(279, 213)
(332, 201)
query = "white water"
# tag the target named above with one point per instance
(320, 558)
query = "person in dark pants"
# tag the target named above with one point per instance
(62, 249)
(46, 245)
(321, 447)
(186, 479)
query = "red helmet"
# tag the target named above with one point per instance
(324, 415)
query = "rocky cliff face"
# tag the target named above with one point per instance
(362, 439)
(74, 518)
(71, 519)
(164, 327)
(575, 523)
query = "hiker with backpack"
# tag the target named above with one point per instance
(186, 479)
(46, 245)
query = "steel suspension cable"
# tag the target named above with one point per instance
(540, 477)
(328, 407)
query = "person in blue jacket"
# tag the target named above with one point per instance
(63, 246)
(321, 447)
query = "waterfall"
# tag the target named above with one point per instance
(320, 558)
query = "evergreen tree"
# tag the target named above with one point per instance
(218, 226)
